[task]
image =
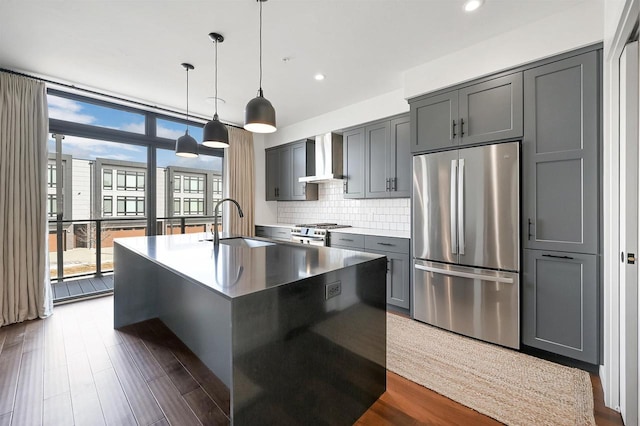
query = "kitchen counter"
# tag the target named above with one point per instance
(266, 320)
(352, 230)
(375, 232)
(238, 271)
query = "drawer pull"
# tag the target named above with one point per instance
(386, 244)
(557, 257)
(346, 239)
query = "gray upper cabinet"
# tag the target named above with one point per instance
(385, 159)
(560, 149)
(284, 165)
(353, 163)
(559, 309)
(434, 121)
(272, 168)
(286, 173)
(376, 146)
(303, 159)
(399, 156)
(491, 111)
(483, 112)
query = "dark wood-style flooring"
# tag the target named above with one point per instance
(75, 369)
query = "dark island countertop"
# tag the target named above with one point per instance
(240, 270)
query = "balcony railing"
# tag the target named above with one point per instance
(85, 247)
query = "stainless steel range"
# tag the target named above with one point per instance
(314, 234)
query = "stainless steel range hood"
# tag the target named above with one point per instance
(328, 159)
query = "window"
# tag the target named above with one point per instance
(193, 206)
(107, 206)
(52, 205)
(107, 179)
(177, 180)
(176, 206)
(130, 181)
(130, 206)
(51, 175)
(217, 188)
(194, 184)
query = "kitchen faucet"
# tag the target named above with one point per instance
(216, 235)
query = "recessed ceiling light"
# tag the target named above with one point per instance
(471, 5)
(319, 77)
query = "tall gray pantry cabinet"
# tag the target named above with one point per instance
(561, 208)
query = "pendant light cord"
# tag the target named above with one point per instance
(187, 68)
(260, 38)
(216, 78)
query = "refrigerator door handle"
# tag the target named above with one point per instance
(465, 274)
(453, 207)
(461, 206)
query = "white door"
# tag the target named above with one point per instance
(628, 303)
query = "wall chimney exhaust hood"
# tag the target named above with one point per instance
(328, 151)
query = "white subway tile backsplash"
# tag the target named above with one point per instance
(332, 207)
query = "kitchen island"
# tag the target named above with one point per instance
(297, 334)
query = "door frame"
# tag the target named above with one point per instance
(610, 370)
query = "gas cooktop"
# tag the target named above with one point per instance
(322, 226)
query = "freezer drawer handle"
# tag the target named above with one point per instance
(465, 274)
(557, 257)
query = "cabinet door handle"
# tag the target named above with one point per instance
(529, 229)
(344, 187)
(557, 257)
(462, 127)
(453, 129)
(304, 189)
(393, 184)
(388, 184)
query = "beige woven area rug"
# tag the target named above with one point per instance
(511, 387)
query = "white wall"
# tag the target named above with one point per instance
(569, 30)
(372, 109)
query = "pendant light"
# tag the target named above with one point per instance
(215, 133)
(186, 146)
(259, 114)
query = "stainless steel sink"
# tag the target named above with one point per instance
(245, 242)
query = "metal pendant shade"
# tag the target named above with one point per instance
(215, 134)
(259, 114)
(186, 146)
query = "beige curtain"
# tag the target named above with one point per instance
(240, 183)
(25, 291)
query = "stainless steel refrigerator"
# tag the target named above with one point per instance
(466, 241)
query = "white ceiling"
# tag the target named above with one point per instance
(134, 48)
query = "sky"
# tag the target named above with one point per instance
(89, 149)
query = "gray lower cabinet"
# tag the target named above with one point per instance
(398, 262)
(274, 232)
(482, 112)
(559, 309)
(560, 155)
(377, 159)
(284, 165)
